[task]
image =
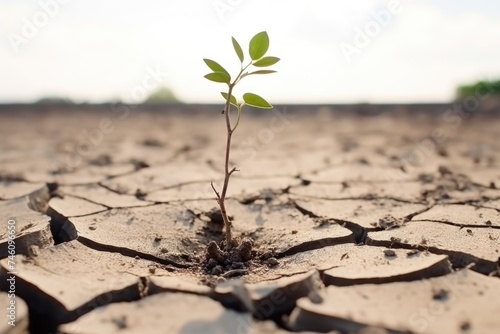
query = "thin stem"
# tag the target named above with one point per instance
(221, 198)
(216, 192)
(227, 174)
(237, 119)
(238, 78)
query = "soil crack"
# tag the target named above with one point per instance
(129, 253)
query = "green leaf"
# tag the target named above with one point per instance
(216, 67)
(219, 77)
(232, 100)
(266, 61)
(258, 45)
(256, 101)
(238, 49)
(257, 72)
(262, 72)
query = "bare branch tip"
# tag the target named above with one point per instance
(233, 170)
(215, 191)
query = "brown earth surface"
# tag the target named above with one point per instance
(380, 223)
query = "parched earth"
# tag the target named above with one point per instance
(381, 222)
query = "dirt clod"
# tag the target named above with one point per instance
(139, 193)
(388, 222)
(245, 250)
(34, 250)
(212, 263)
(389, 253)
(426, 178)
(443, 170)
(412, 253)
(272, 262)
(217, 270)
(101, 160)
(214, 252)
(465, 326)
(220, 260)
(121, 322)
(266, 256)
(237, 265)
(441, 295)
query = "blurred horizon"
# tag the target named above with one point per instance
(395, 51)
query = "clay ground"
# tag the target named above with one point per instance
(370, 221)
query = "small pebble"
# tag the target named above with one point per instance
(315, 297)
(441, 295)
(389, 252)
(412, 252)
(465, 326)
(266, 256)
(34, 250)
(271, 262)
(120, 322)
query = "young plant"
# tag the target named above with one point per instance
(258, 46)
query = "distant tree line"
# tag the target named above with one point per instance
(160, 96)
(54, 100)
(483, 87)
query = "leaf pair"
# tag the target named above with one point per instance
(250, 99)
(219, 73)
(259, 44)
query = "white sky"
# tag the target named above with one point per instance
(100, 50)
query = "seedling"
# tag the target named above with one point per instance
(258, 46)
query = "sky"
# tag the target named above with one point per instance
(331, 51)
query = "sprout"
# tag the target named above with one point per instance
(257, 49)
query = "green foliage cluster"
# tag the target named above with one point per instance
(257, 49)
(51, 100)
(480, 87)
(162, 95)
